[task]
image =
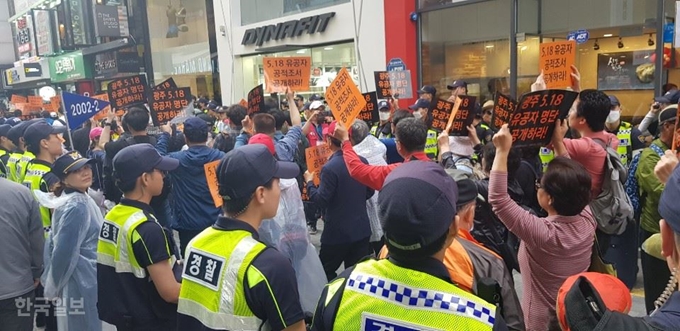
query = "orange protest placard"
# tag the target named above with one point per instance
(555, 61)
(35, 101)
(102, 114)
(317, 157)
(345, 99)
(282, 72)
(18, 99)
(243, 103)
(55, 103)
(213, 184)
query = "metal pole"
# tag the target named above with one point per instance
(660, 71)
(68, 127)
(513, 47)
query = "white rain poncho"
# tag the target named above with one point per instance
(374, 152)
(287, 232)
(71, 259)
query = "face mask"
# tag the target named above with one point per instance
(417, 115)
(384, 116)
(614, 116)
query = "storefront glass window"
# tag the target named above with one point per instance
(469, 43)
(180, 45)
(253, 11)
(326, 62)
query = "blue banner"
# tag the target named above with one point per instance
(79, 109)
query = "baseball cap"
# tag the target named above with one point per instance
(12, 121)
(383, 105)
(96, 133)
(4, 129)
(202, 100)
(40, 130)
(316, 97)
(488, 105)
(195, 124)
(614, 100)
(330, 129)
(315, 105)
(668, 113)
(672, 96)
(18, 130)
(209, 120)
(69, 162)
(428, 89)
(669, 209)
(456, 84)
(421, 103)
(246, 168)
(222, 109)
(263, 139)
(611, 291)
(417, 205)
(132, 161)
(212, 105)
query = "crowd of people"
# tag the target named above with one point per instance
(119, 223)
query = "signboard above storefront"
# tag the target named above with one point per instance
(69, 67)
(289, 29)
(44, 38)
(111, 21)
(109, 64)
(26, 72)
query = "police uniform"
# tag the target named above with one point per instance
(22, 166)
(546, 155)
(37, 178)
(229, 258)
(4, 157)
(130, 240)
(380, 132)
(431, 145)
(11, 165)
(627, 142)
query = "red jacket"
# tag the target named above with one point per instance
(372, 176)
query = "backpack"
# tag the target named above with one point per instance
(612, 208)
(632, 185)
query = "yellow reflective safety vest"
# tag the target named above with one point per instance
(22, 165)
(217, 263)
(35, 170)
(3, 166)
(12, 162)
(431, 146)
(381, 295)
(625, 149)
(546, 155)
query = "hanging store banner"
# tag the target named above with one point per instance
(44, 39)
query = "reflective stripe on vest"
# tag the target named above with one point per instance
(625, 142)
(431, 146)
(213, 279)
(374, 131)
(381, 294)
(3, 166)
(546, 155)
(12, 167)
(114, 248)
(32, 180)
(22, 166)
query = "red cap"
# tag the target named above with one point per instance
(613, 292)
(263, 139)
(330, 129)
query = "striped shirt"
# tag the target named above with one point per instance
(552, 249)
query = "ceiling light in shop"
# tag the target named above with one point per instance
(328, 48)
(489, 46)
(524, 48)
(302, 51)
(608, 35)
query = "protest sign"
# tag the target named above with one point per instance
(35, 101)
(165, 85)
(440, 115)
(79, 109)
(102, 114)
(213, 184)
(256, 100)
(317, 157)
(344, 98)
(393, 84)
(167, 104)
(503, 107)
(55, 103)
(370, 112)
(283, 72)
(555, 61)
(18, 99)
(464, 111)
(533, 122)
(125, 92)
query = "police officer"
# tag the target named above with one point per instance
(457, 87)
(16, 136)
(137, 277)
(421, 110)
(6, 147)
(427, 92)
(484, 131)
(231, 280)
(411, 289)
(383, 129)
(629, 137)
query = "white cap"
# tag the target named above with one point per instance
(315, 105)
